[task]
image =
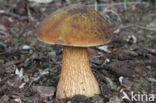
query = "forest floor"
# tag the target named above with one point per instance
(30, 69)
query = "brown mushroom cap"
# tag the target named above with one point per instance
(74, 26)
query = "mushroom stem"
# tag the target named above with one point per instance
(76, 76)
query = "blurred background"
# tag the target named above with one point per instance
(29, 69)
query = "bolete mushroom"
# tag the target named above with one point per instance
(75, 28)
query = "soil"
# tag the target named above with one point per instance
(30, 69)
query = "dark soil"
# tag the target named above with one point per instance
(128, 65)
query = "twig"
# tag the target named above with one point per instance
(135, 25)
(95, 5)
(125, 4)
(13, 15)
(4, 33)
(106, 10)
(146, 28)
(115, 4)
(28, 11)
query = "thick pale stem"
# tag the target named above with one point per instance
(76, 75)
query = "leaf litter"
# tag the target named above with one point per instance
(30, 69)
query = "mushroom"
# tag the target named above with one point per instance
(75, 28)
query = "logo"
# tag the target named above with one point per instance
(140, 97)
(125, 96)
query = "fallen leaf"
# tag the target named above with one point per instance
(19, 72)
(44, 91)
(104, 48)
(14, 82)
(3, 28)
(121, 68)
(26, 47)
(4, 99)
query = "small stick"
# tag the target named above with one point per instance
(142, 27)
(106, 10)
(13, 15)
(115, 4)
(4, 33)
